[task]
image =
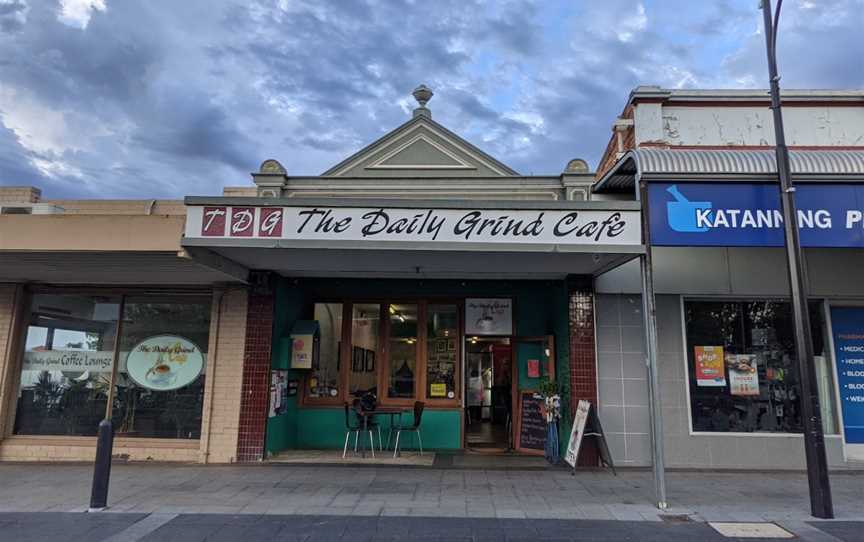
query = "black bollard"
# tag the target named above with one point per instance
(102, 466)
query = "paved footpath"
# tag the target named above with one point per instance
(277, 502)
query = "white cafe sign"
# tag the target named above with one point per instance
(164, 362)
(520, 226)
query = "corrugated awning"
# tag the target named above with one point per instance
(821, 165)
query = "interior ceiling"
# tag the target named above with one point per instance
(412, 263)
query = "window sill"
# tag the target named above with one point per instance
(119, 442)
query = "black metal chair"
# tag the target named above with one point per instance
(414, 428)
(356, 429)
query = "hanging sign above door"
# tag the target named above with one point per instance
(489, 316)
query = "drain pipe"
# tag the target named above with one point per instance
(208, 393)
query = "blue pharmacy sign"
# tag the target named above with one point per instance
(848, 329)
(748, 214)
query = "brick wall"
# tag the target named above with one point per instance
(221, 418)
(255, 393)
(19, 194)
(583, 353)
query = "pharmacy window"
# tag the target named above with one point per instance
(742, 369)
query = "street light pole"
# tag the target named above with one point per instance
(814, 440)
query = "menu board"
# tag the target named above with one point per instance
(531, 430)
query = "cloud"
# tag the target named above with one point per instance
(78, 12)
(163, 98)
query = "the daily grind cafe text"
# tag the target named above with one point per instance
(613, 227)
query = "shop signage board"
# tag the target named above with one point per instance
(847, 325)
(586, 423)
(749, 214)
(164, 363)
(68, 360)
(519, 226)
(488, 316)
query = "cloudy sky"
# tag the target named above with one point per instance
(164, 98)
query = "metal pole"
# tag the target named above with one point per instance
(814, 441)
(105, 436)
(649, 312)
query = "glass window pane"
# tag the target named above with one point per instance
(743, 372)
(160, 384)
(365, 327)
(442, 351)
(324, 378)
(66, 371)
(403, 351)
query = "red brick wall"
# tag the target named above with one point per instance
(583, 354)
(254, 402)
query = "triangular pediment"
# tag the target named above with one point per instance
(420, 147)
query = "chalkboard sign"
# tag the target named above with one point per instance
(531, 429)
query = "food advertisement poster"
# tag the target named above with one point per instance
(709, 366)
(164, 363)
(743, 374)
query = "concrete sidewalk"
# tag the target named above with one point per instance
(395, 491)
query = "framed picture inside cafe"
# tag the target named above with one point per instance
(489, 316)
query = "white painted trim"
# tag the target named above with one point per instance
(419, 137)
(485, 195)
(826, 306)
(429, 127)
(686, 357)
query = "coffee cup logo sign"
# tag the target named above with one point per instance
(164, 363)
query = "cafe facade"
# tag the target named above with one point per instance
(423, 269)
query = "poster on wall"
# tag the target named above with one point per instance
(486, 316)
(709, 366)
(164, 363)
(847, 329)
(279, 392)
(743, 374)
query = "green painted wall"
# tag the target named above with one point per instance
(540, 309)
(324, 428)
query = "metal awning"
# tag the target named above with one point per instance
(807, 166)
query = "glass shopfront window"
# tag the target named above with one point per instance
(742, 369)
(402, 351)
(324, 377)
(66, 370)
(365, 330)
(69, 356)
(442, 351)
(160, 387)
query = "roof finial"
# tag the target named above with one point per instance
(422, 94)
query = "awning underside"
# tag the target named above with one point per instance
(317, 262)
(107, 268)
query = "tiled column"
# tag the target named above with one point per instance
(583, 353)
(256, 369)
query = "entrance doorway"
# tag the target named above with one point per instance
(489, 394)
